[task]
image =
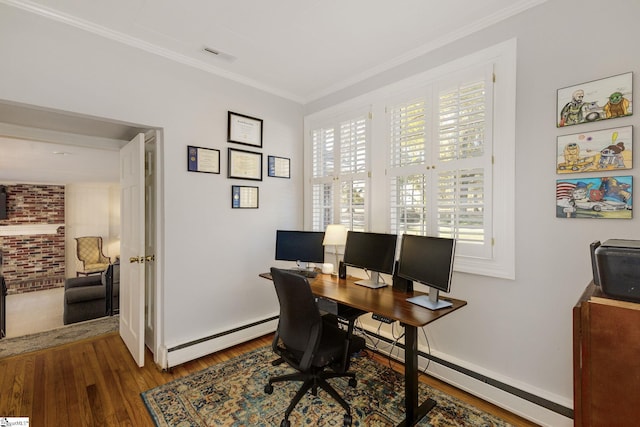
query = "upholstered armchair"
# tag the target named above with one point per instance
(90, 259)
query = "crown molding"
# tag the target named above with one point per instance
(137, 43)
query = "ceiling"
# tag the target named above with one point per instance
(299, 49)
(41, 146)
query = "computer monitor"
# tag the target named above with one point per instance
(303, 247)
(427, 260)
(374, 252)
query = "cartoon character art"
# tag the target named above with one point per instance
(571, 154)
(612, 189)
(611, 156)
(581, 192)
(617, 106)
(571, 113)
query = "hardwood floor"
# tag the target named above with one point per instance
(95, 382)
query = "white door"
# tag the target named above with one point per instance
(132, 247)
(150, 238)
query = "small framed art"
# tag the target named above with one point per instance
(201, 159)
(595, 197)
(243, 129)
(597, 100)
(595, 151)
(279, 167)
(244, 197)
(244, 164)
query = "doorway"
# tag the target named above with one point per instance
(68, 130)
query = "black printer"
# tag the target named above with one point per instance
(616, 268)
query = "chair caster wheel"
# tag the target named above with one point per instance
(347, 421)
(268, 389)
(285, 423)
(353, 382)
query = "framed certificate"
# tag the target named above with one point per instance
(243, 129)
(244, 164)
(279, 167)
(205, 160)
(244, 197)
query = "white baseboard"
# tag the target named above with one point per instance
(200, 348)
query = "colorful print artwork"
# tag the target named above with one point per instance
(598, 151)
(598, 100)
(604, 197)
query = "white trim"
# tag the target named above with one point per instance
(200, 349)
(503, 56)
(29, 229)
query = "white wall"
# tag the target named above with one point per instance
(213, 254)
(520, 331)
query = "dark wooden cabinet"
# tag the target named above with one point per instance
(606, 360)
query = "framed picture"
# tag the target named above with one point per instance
(205, 160)
(597, 100)
(243, 129)
(244, 197)
(604, 197)
(597, 151)
(244, 165)
(279, 167)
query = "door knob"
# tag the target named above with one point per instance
(150, 258)
(136, 259)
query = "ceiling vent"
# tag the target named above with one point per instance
(218, 54)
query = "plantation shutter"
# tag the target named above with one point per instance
(339, 173)
(463, 162)
(407, 158)
(322, 170)
(439, 170)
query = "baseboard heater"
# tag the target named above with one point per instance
(540, 401)
(203, 346)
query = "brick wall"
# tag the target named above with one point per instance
(34, 262)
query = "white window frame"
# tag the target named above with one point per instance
(501, 262)
(429, 166)
(339, 178)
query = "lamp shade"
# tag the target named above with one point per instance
(335, 234)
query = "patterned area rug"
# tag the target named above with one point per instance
(58, 336)
(232, 394)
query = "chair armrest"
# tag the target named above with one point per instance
(76, 282)
(79, 265)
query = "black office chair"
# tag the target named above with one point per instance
(308, 343)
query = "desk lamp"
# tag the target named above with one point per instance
(335, 235)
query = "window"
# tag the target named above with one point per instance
(440, 162)
(339, 194)
(432, 155)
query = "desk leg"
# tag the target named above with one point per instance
(414, 412)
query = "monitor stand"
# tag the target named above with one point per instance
(431, 301)
(373, 283)
(303, 266)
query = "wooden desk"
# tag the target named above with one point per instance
(392, 304)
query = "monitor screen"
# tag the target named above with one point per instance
(427, 260)
(375, 252)
(303, 246)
